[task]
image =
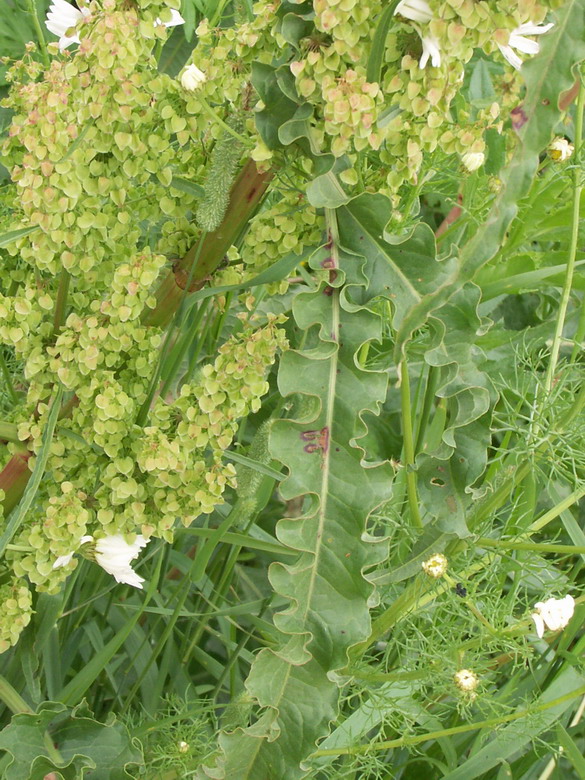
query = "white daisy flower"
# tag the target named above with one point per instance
(553, 614)
(523, 44)
(192, 78)
(63, 17)
(113, 554)
(415, 10)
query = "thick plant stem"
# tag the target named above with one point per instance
(12, 699)
(409, 446)
(61, 302)
(13, 479)
(246, 194)
(9, 432)
(578, 173)
(504, 544)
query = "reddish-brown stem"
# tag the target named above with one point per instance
(13, 479)
(246, 193)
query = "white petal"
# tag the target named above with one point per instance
(538, 623)
(176, 19)
(511, 56)
(128, 577)
(524, 44)
(113, 554)
(529, 28)
(63, 560)
(430, 49)
(415, 10)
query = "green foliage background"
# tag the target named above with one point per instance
(430, 401)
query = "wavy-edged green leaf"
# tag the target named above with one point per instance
(84, 746)
(446, 472)
(406, 272)
(294, 684)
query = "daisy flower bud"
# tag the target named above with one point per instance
(183, 747)
(553, 614)
(435, 566)
(192, 78)
(473, 160)
(560, 149)
(466, 680)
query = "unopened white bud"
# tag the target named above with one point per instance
(183, 747)
(435, 566)
(466, 680)
(192, 78)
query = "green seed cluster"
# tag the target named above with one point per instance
(93, 148)
(409, 113)
(16, 612)
(290, 225)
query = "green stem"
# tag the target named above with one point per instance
(411, 490)
(533, 546)
(7, 379)
(176, 324)
(39, 31)
(61, 302)
(428, 400)
(224, 125)
(557, 510)
(9, 432)
(12, 699)
(577, 188)
(490, 723)
(578, 173)
(19, 515)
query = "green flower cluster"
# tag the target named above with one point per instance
(290, 225)
(93, 147)
(410, 112)
(16, 612)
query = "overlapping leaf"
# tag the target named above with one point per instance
(85, 746)
(294, 684)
